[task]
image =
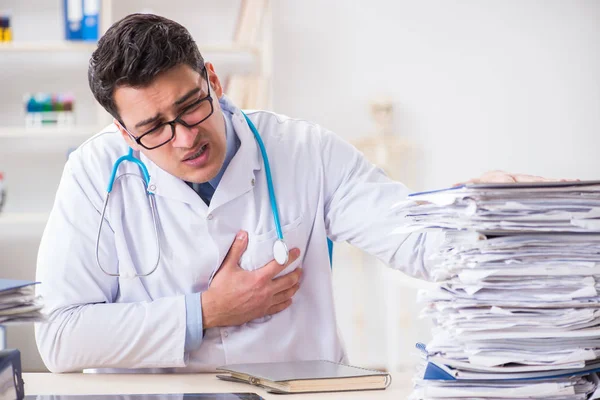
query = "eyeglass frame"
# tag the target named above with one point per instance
(177, 119)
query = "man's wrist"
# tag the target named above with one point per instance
(209, 319)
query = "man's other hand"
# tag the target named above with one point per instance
(505, 177)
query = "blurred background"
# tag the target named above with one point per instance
(432, 91)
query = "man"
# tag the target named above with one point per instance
(216, 295)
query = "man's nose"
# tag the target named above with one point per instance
(184, 137)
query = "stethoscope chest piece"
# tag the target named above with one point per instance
(280, 252)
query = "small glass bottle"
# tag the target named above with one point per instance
(3, 26)
(69, 109)
(7, 29)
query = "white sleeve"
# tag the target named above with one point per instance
(358, 199)
(86, 329)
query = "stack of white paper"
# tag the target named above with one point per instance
(500, 208)
(18, 302)
(517, 310)
(573, 388)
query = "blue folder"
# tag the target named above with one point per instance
(437, 372)
(434, 372)
(10, 284)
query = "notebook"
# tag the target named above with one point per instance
(306, 376)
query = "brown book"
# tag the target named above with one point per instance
(306, 376)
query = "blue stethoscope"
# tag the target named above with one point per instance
(280, 249)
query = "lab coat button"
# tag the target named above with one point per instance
(209, 217)
(152, 188)
(252, 182)
(225, 334)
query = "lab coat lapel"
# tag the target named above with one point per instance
(239, 177)
(166, 185)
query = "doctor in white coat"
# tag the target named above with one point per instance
(217, 296)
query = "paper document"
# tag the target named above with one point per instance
(18, 302)
(516, 310)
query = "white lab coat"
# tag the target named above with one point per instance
(324, 187)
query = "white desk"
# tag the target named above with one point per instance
(46, 383)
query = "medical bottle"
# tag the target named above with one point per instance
(3, 26)
(7, 31)
(30, 110)
(68, 109)
(2, 191)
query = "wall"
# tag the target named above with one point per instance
(478, 85)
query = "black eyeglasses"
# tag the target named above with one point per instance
(191, 116)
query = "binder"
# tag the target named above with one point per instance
(440, 372)
(11, 380)
(436, 371)
(91, 9)
(73, 10)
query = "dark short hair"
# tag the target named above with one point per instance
(134, 50)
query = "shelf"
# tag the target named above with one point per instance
(28, 218)
(17, 140)
(22, 225)
(50, 46)
(77, 131)
(75, 46)
(227, 49)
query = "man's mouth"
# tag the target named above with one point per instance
(197, 154)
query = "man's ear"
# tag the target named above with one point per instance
(130, 142)
(213, 78)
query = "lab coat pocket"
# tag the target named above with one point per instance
(260, 246)
(260, 250)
